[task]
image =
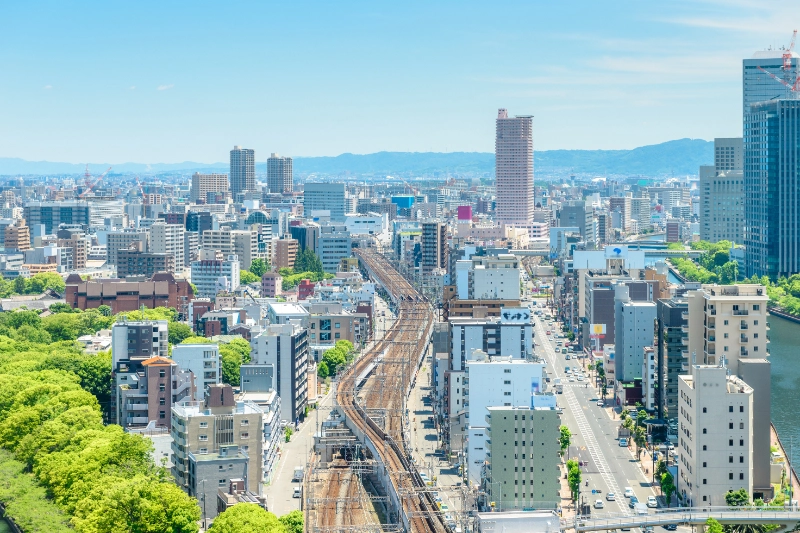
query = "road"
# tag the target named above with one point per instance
(295, 453)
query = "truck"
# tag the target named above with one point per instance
(298, 473)
(558, 386)
(640, 509)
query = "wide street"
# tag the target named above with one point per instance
(608, 467)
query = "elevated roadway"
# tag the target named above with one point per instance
(690, 515)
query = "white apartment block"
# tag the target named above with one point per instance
(243, 243)
(633, 331)
(203, 361)
(649, 379)
(169, 239)
(120, 240)
(495, 278)
(716, 436)
(210, 273)
(493, 336)
(727, 321)
(495, 382)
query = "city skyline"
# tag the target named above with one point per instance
(369, 79)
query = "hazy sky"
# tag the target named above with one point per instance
(173, 81)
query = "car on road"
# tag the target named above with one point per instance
(671, 527)
(610, 496)
(652, 502)
(600, 403)
(628, 492)
(571, 379)
(623, 443)
(598, 504)
(580, 378)
(633, 502)
(548, 332)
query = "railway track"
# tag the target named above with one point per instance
(399, 353)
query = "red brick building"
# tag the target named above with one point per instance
(163, 290)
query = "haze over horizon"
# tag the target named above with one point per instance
(183, 81)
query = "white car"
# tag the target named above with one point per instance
(610, 496)
(580, 378)
(652, 502)
(598, 504)
(600, 403)
(628, 492)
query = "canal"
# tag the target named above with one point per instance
(785, 358)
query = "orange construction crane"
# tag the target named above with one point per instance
(89, 184)
(789, 80)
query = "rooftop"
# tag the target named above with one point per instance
(194, 408)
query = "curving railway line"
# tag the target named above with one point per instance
(398, 353)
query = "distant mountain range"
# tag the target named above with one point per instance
(679, 157)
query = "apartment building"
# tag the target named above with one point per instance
(494, 336)
(522, 466)
(17, 237)
(122, 240)
(242, 243)
(727, 325)
(202, 184)
(333, 245)
(671, 328)
(169, 239)
(203, 361)
(716, 418)
(285, 347)
(271, 285)
(285, 253)
(621, 205)
(495, 278)
(210, 273)
(243, 170)
(279, 174)
(434, 246)
(633, 330)
(214, 441)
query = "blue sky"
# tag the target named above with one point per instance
(174, 81)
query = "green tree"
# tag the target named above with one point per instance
(334, 358)
(738, 498)
(641, 417)
(246, 277)
(61, 307)
(574, 477)
(19, 285)
(287, 433)
(564, 439)
(104, 310)
(24, 318)
(292, 522)
(196, 339)
(307, 261)
(178, 332)
(712, 526)
(322, 370)
(259, 267)
(247, 519)
(667, 487)
(234, 354)
(640, 439)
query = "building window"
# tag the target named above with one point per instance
(507, 382)
(705, 431)
(203, 424)
(730, 425)
(222, 482)
(741, 442)
(704, 447)
(705, 498)
(507, 371)
(741, 475)
(704, 481)
(162, 401)
(730, 458)
(162, 387)
(203, 451)
(336, 325)
(756, 307)
(245, 422)
(202, 437)
(244, 435)
(705, 464)
(162, 374)
(730, 442)
(705, 410)
(741, 458)
(741, 408)
(730, 408)
(162, 414)
(730, 475)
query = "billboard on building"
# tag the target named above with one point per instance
(515, 315)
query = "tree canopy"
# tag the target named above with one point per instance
(247, 518)
(258, 267)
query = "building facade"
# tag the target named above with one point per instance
(279, 174)
(285, 347)
(202, 184)
(203, 361)
(243, 170)
(212, 274)
(325, 197)
(514, 169)
(169, 239)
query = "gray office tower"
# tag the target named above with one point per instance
(243, 170)
(324, 197)
(279, 174)
(669, 354)
(722, 193)
(771, 133)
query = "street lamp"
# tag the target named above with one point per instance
(203, 481)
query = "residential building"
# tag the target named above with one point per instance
(257, 387)
(633, 331)
(514, 169)
(162, 290)
(727, 326)
(285, 253)
(649, 379)
(578, 213)
(671, 329)
(211, 433)
(621, 205)
(716, 439)
(279, 174)
(325, 197)
(169, 239)
(434, 246)
(202, 184)
(17, 236)
(640, 211)
(212, 274)
(327, 328)
(203, 361)
(243, 170)
(494, 382)
(53, 214)
(284, 313)
(771, 180)
(271, 285)
(134, 262)
(495, 277)
(242, 243)
(523, 473)
(494, 336)
(333, 245)
(122, 240)
(285, 347)
(145, 393)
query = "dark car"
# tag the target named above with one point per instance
(633, 502)
(671, 527)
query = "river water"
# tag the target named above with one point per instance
(784, 349)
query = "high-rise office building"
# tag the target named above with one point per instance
(279, 174)
(622, 205)
(168, 239)
(243, 170)
(202, 184)
(722, 193)
(324, 197)
(758, 86)
(513, 151)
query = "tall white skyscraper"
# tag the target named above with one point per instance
(513, 151)
(243, 170)
(279, 174)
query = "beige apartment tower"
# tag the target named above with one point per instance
(206, 183)
(513, 151)
(279, 174)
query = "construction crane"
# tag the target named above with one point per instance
(789, 80)
(89, 184)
